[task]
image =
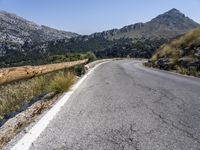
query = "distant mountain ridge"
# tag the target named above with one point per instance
(19, 30)
(167, 25)
(25, 43)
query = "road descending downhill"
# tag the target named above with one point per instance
(124, 106)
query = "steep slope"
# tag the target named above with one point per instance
(167, 25)
(182, 54)
(18, 30)
(23, 42)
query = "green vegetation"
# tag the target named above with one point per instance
(72, 57)
(14, 96)
(16, 58)
(66, 57)
(79, 48)
(134, 48)
(90, 56)
(181, 54)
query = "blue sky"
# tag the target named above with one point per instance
(88, 16)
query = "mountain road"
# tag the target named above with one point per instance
(123, 105)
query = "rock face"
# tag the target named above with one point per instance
(167, 25)
(23, 42)
(18, 30)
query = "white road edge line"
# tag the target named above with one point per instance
(27, 140)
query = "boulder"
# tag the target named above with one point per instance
(197, 53)
(185, 62)
(165, 63)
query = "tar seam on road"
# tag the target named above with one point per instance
(27, 140)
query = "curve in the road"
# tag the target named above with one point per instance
(123, 105)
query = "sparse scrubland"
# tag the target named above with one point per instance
(13, 96)
(21, 101)
(22, 85)
(181, 55)
(72, 57)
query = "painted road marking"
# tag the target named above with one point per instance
(27, 140)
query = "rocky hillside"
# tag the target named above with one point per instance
(18, 30)
(182, 54)
(138, 40)
(23, 42)
(167, 25)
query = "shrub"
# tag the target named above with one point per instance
(39, 85)
(61, 82)
(90, 56)
(78, 70)
(13, 97)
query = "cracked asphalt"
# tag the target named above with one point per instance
(125, 106)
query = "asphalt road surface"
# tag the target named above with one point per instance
(125, 106)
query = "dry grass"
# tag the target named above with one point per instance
(185, 71)
(13, 126)
(173, 49)
(13, 96)
(61, 83)
(184, 53)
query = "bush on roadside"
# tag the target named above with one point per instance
(61, 83)
(90, 56)
(72, 57)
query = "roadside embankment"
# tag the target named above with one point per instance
(26, 92)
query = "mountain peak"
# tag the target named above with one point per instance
(175, 17)
(167, 25)
(174, 10)
(174, 13)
